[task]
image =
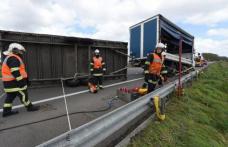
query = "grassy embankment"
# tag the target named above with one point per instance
(198, 119)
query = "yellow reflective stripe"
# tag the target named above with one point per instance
(12, 55)
(98, 74)
(7, 105)
(5, 61)
(91, 69)
(14, 69)
(23, 98)
(157, 61)
(164, 71)
(27, 103)
(19, 78)
(147, 63)
(146, 71)
(15, 89)
(7, 77)
(153, 82)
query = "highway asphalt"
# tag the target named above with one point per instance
(34, 134)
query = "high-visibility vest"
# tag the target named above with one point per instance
(7, 72)
(97, 62)
(155, 65)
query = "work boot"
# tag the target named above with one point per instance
(8, 113)
(33, 108)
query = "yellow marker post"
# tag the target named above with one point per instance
(157, 110)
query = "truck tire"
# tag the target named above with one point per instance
(72, 82)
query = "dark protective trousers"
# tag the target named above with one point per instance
(99, 80)
(23, 95)
(152, 82)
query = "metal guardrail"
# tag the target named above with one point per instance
(97, 130)
(176, 58)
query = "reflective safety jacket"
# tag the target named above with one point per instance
(14, 75)
(153, 64)
(97, 66)
(97, 62)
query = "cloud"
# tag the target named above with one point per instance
(109, 20)
(58, 16)
(218, 32)
(207, 45)
(35, 16)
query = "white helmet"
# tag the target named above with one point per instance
(97, 51)
(13, 46)
(160, 45)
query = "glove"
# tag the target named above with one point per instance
(161, 77)
(91, 71)
(104, 70)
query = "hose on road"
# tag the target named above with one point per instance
(108, 107)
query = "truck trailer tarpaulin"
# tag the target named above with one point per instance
(51, 57)
(146, 34)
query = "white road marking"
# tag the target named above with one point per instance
(2, 95)
(66, 106)
(75, 93)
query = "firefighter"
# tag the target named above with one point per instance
(153, 67)
(198, 60)
(15, 79)
(98, 68)
(199, 56)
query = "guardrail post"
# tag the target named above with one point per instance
(159, 107)
(180, 86)
(162, 105)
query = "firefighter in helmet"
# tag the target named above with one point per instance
(153, 66)
(15, 79)
(98, 68)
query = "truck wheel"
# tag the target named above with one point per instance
(72, 83)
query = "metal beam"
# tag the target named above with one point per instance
(35, 42)
(176, 58)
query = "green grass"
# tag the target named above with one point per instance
(198, 119)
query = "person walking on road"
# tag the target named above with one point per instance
(15, 79)
(98, 68)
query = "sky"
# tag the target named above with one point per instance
(206, 20)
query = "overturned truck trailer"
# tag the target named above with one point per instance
(146, 34)
(50, 58)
